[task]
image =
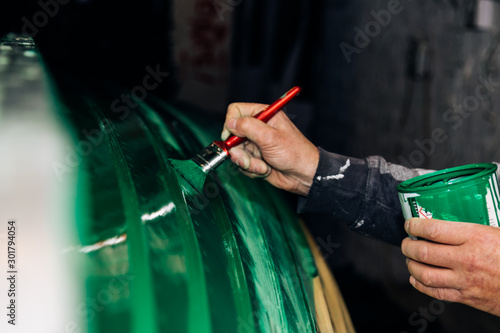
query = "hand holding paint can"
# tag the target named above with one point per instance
(467, 193)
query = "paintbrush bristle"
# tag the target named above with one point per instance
(191, 172)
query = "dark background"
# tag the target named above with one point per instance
(413, 76)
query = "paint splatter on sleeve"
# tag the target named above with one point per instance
(337, 186)
(340, 175)
(360, 192)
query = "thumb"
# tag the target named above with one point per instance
(252, 129)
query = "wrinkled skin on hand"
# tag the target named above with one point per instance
(276, 151)
(461, 264)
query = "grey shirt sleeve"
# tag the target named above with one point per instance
(361, 192)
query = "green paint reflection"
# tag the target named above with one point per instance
(231, 259)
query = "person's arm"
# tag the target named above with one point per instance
(361, 192)
(461, 264)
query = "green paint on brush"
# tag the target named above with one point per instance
(191, 172)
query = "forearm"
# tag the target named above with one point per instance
(361, 192)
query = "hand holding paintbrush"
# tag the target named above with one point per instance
(195, 170)
(276, 150)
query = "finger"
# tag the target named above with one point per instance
(238, 110)
(428, 253)
(258, 168)
(243, 154)
(432, 276)
(258, 171)
(444, 294)
(241, 157)
(254, 130)
(253, 149)
(445, 232)
(253, 167)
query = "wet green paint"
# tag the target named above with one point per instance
(191, 172)
(229, 259)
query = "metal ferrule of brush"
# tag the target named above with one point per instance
(210, 157)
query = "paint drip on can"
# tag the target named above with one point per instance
(466, 193)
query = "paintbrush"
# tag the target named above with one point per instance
(195, 170)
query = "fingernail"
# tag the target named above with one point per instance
(407, 225)
(407, 261)
(225, 134)
(412, 281)
(246, 162)
(262, 169)
(231, 123)
(243, 163)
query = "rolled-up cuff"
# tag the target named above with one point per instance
(338, 186)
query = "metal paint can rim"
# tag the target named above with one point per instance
(447, 179)
(468, 193)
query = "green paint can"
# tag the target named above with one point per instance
(467, 193)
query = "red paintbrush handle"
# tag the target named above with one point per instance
(265, 115)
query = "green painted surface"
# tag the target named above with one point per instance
(230, 259)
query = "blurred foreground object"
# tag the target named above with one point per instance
(48, 293)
